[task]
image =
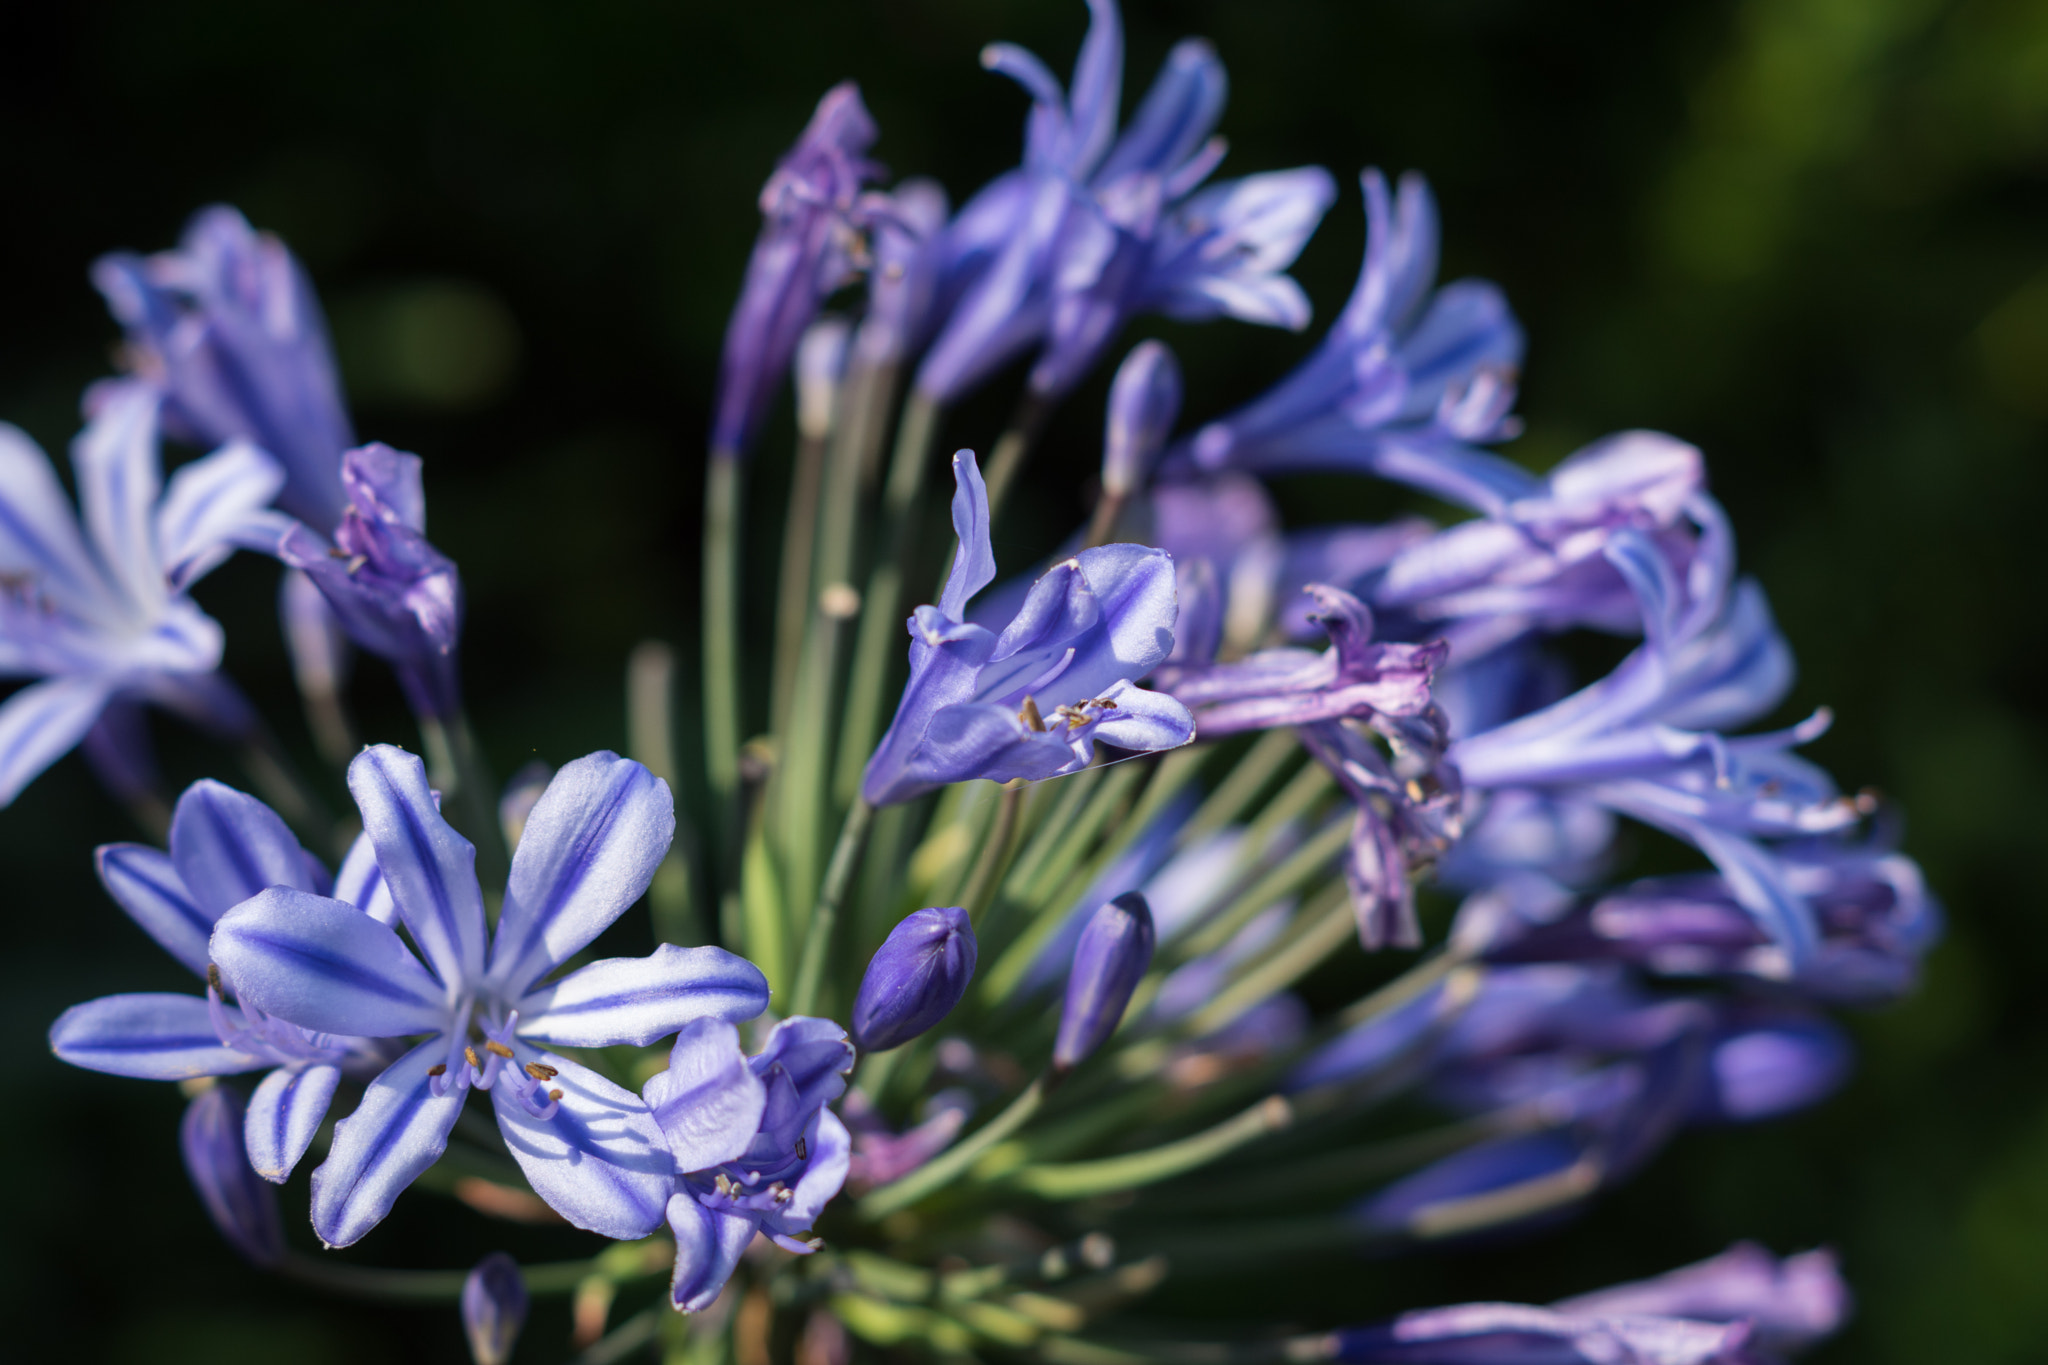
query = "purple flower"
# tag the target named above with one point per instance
(1109, 961)
(241, 1206)
(1872, 906)
(755, 1149)
(1409, 805)
(99, 612)
(1144, 398)
(225, 848)
(1790, 1303)
(1519, 1334)
(916, 978)
(493, 1308)
(1404, 382)
(908, 246)
(807, 248)
(1096, 227)
(485, 1003)
(1539, 562)
(880, 1154)
(1646, 740)
(228, 326)
(395, 594)
(1031, 702)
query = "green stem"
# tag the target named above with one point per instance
(1244, 782)
(1294, 871)
(810, 970)
(1080, 1179)
(456, 765)
(1102, 525)
(427, 1286)
(950, 1164)
(1012, 446)
(650, 738)
(880, 642)
(996, 853)
(722, 734)
(1328, 926)
(794, 592)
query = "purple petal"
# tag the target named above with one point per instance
(831, 1149)
(119, 476)
(228, 846)
(599, 1160)
(1791, 1303)
(144, 882)
(636, 1000)
(39, 529)
(153, 1037)
(430, 868)
(242, 1207)
(322, 964)
(399, 1130)
(709, 1101)
(211, 506)
(284, 1114)
(974, 561)
(708, 1247)
(43, 722)
(587, 853)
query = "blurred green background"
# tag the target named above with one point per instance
(1811, 235)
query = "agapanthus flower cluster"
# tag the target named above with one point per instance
(1121, 807)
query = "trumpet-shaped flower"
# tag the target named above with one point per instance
(99, 612)
(806, 249)
(228, 326)
(1405, 381)
(1033, 701)
(755, 1149)
(1645, 741)
(1096, 227)
(394, 593)
(484, 1002)
(225, 848)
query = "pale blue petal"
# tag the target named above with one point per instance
(154, 1037)
(43, 722)
(362, 885)
(639, 999)
(210, 507)
(974, 559)
(39, 529)
(228, 846)
(119, 477)
(831, 1149)
(399, 1130)
(709, 1102)
(599, 1161)
(589, 848)
(144, 882)
(430, 868)
(708, 1248)
(284, 1113)
(322, 964)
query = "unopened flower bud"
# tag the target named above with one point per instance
(1109, 961)
(917, 976)
(521, 795)
(820, 361)
(241, 1203)
(493, 1308)
(1144, 399)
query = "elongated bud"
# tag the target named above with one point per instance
(241, 1203)
(917, 976)
(820, 361)
(1109, 961)
(1144, 399)
(493, 1308)
(521, 795)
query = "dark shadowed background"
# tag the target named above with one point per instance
(1810, 235)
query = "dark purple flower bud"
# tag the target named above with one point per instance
(493, 1308)
(807, 249)
(917, 976)
(1110, 960)
(239, 1201)
(395, 594)
(1144, 399)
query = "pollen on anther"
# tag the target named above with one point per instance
(541, 1072)
(555, 1094)
(437, 1070)
(470, 1054)
(803, 1152)
(497, 1048)
(213, 978)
